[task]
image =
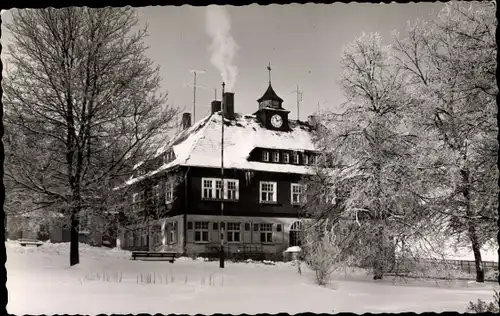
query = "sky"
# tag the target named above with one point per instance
(302, 43)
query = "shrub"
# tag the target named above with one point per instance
(483, 307)
(322, 254)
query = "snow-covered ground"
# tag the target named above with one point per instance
(40, 281)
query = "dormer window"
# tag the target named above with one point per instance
(295, 158)
(276, 157)
(286, 157)
(265, 156)
(306, 159)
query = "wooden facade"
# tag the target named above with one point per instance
(261, 211)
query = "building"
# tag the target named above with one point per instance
(265, 157)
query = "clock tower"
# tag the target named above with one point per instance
(271, 113)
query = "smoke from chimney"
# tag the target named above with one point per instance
(223, 47)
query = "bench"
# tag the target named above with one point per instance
(154, 255)
(31, 242)
(402, 274)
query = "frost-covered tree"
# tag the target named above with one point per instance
(367, 181)
(451, 65)
(82, 106)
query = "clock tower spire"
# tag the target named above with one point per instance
(271, 113)
(269, 69)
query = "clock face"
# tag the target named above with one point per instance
(276, 121)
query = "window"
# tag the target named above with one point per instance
(278, 227)
(232, 189)
(156, 194)
(295, 158)
(266, 233)
(296, 234)
(255, 227)
(328, 196)
(201, 231)
(212, 189)
(314, 159)
(265, 156)
(156, 232)
(276, 157)
(137, 199)
(297, 192)
(172, 232)
(137, 239)
(268, 192)
(233, 232)
(218, 189)
(130, 238)
(207, 192)
(169, 192)
(306, 159)
(247, 227)
(168, 156)
(286, 157)
(190, 225)
(215, 226)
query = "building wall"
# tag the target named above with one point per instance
(249, 203)
(250, 241)
(247, 210)
(150, 238)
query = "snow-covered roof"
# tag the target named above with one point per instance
(200, 145)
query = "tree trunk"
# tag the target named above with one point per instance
(471, 226)
(378, 262)
(476, 249)
(74, 256)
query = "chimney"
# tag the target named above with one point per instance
(228, 98)
(312, 120)
(216, 106)
(186, 120)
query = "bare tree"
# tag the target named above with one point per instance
(82, 107)
(155, 197)
(451, 65)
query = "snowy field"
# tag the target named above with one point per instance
(40, 281)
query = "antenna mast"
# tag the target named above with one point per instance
(195, 72)
(299, 99)
(221, 258)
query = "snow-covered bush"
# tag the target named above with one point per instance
(483, 307)
(322, 254)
